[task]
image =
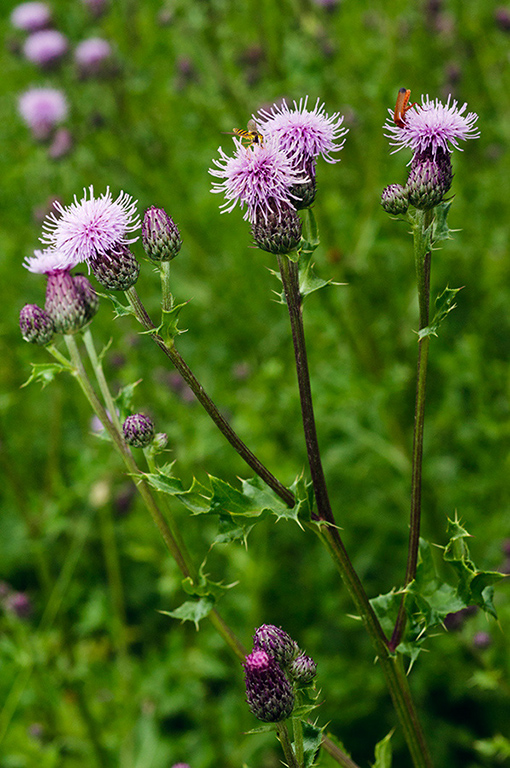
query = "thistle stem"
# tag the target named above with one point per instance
(284, 739)
(233, 438)
(422, 257)
(395, 679)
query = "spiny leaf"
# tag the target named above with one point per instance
(45, 372)
(383, 752)
(312, 739)
(308, 280)
(120, 309)
(192, 610)
(444, 305)
(124, 399)
(440, 229)
(169, 328)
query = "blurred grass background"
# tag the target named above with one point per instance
(73, 694)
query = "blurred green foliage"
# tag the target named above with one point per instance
(95, 675)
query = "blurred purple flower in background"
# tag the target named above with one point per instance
(42, 109)
(31, 16)
(92, 55)
(45, 47)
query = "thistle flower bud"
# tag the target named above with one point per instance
(279, 232)
(276, 642)
(88, 294)
(36, 325)
(65, 303)
(429, 180)
(138, 430)
(117, 269)
(303, 195)
(160, 236)
(394, 199)
(269, 694)
(302, 669)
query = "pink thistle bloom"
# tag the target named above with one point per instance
(257, 177)
(45, 47)
(433, 126)
(304, 134)
(42, 109)
(91, 54)
(48, 262)
(31, 16)
(91, 227)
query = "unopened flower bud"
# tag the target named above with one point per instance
(65, 303)
(276, 642)
(160, 236)
(394, 199)
(279, 232)
(303, 195)
(116, 270)
(429, 180)
(268, 692)
(302, 669)
(36, 325)
(88, 293)
(138, 430)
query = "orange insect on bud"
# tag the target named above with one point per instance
(401, 107)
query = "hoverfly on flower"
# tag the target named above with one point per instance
(401, 107)
(249, 136)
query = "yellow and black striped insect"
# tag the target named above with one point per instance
(249, 136)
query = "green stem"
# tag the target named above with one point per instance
(422, 256)
(167, 299)
(284, 739)
(167, 529)
(297, 728)
(396, 681)
(337, 754)
(204, 399)
(101, 379)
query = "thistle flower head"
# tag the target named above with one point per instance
(42, 109)
(48, 261)
(66, 303)
(30, 16)
(269, 693)
(257, 177)
(160, 235)
(395, 199)
(301, 133)
(92, 226)
(276, 642)
(303, 669)
(45, 47)
(433, 126)
(138, 430)
(36, 325)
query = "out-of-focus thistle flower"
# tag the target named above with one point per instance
(36, 325)
(31, 17)
(45, 47)
(91, 227)
(160, 235)
(432, 126)
(69, 302)
(276, 642)
(42, 109)
(138, 430)
(61, 144)
(96, 7)
(394, 199)
(302, 669)
(304, 135)
(259, 178)
(92, 56)
(19, 603)
(269, 693)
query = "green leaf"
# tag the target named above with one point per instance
(124, 400)
(169, 319)
(312, 739)
(205, 587)
(383, 752)
(440, 229)
(192, 610)
(308, 280)
(444, 305)
(120, 309)
(475, 586)
(45, 372)
(310, 235)
(496, 749)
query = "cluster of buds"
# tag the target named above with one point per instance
(273, 671)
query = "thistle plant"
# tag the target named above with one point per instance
(274, 183)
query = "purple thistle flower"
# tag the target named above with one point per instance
(257, 177)
(48, 261)
(45, 47)
(433, 126)
(41, 109)
(268, 692)
(304, 134)
(91, 227)
(19, 604)
(36, 325)
(138, 430)
(31, 16)
(91, 55)
(276, 642)
(303, 669)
